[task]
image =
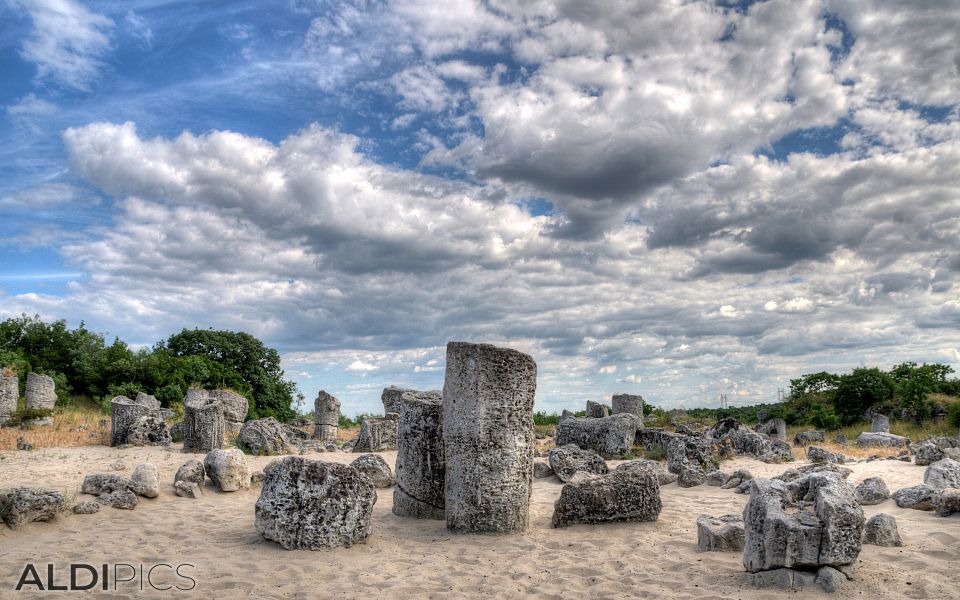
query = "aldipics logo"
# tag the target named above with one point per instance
(80, 577)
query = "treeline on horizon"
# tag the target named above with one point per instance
(81, 363)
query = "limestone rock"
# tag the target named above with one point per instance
(567, 460)
(611, 437)
(717, 478)
(204, 427)
(326, 410)
(872, 490)
(420, 466)
(86, 507)
(881, 530)
(628, 493)
(830, 579)
(19, 506)
(310, 504)
(736, 479)
(191, 471)
(122, 499)
(595, 410)
(664, 477)
(377, 435)
(176, 432)
(808, 523)
(233, 406)
(628, 404)
(947, 501)
(40, 392)
(816, 454)
(805, 438)
(488, 397)
(881, 440)
(264, 437)
(374, 467)
(775, 428)
(880, 424)
(101, 484)
(944, 473)
(124, 414)
(390, 397)
(146, 480)
(917, 497)
(739, 437)
(779, 452)
(691, 475)
(149, 430)
(186, 489)
(927, 453)
(542, 470)
(227, 469)
(720, 534)
(9, 395)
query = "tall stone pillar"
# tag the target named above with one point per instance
(9, 394)
(631, 404)
(420, 464)
(488, 438)
(203, 426)
(40, 393)
(326, 416)
(124, 413)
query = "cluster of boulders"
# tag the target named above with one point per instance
(138, 422)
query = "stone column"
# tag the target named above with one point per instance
(9, 394)
(40, 393)
(420, 465)
(595, 410)
(629, 404)
(124, 413)
(203, 426)
(488, 438)
(391, 399)
(326, 416)
(881, 424)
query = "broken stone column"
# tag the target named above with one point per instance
(326, 417)
(596, 410)
(488, 438)
(420, 465)
(880, 424)
(377, 435)
(631, 404)
(40, 394)
(9, 394)
(124, 413)
(391, 399)
(233, 406)
(203, 425)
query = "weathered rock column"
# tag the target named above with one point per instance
(124, 413)
(9, 394)
(880, 424)
(595, 410)
(40, 393)
(203, 426)
(488, 438)
(326, 411)
(630, 404)
(420, 465)
(391, 399)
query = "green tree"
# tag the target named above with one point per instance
(860, 390)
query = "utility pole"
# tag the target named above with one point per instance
(723, 400)
(779, 394)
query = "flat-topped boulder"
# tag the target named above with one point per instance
(610, 437)
(311, 504)
(628, 404)
(881, 440)
(628, 493)
(570, 459)
(720, 534)
(204, 427)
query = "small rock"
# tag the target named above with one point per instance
(256, 478)
(541, 469)
(830, 579)
(124, 499)
(86, 507)
(374, 467)
(872, 490)
(186, 489)
(628, 493)
(717, 534)
(191, 471)
(569, 459)
(805, 438)
(918, 497)
(691, 476)
(117, 465)
(738, 477)
(147, 480)
(227, 469)
(881, 530)
(818, 455)
(717, 478)
(19, 506)
(946, 502)
(943, 474)
(23, 444)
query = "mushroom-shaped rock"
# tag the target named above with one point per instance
(872, 490)
(19, 506)
(374, 467)
(264, 437)
(881, 530)
(227, 469)
(624, 494)
(720, 534)
(569, 459)
(311, 504)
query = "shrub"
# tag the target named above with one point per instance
(953, 414)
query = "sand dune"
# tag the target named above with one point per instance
(409, 558)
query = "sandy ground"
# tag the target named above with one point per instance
(407, 558)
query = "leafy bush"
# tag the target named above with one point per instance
(860, 390)
(953, 414)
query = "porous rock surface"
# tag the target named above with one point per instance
(227, 469)
(19, 506)
(720, 534)
(375, 468)
(420, 466)
(569, 459)
(326, 411)
(488, 395)
(204, 427)
(917, 497)
(264, 437)
(872, 490)
(377, 435)
(610, 437)
(630, 492)
(311, 504)
(881, 530)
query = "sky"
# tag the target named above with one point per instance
(675, 199)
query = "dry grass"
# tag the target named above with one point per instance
(71, 427)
